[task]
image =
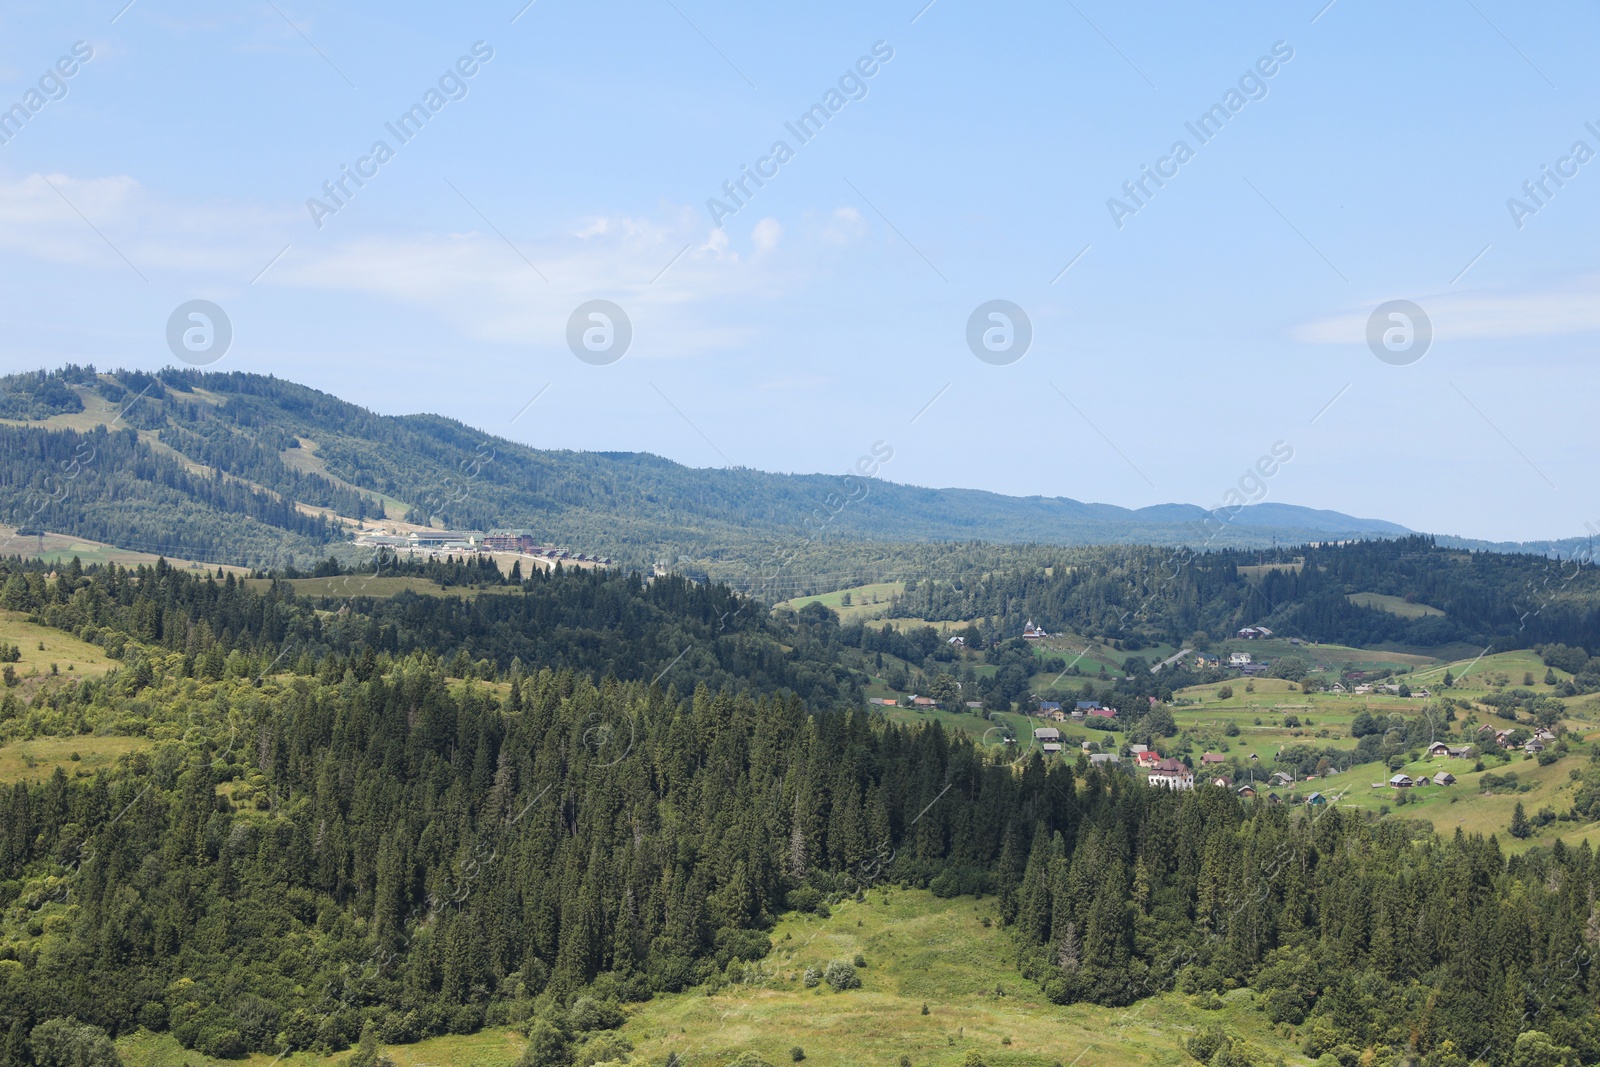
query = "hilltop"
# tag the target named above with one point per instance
(241, 468)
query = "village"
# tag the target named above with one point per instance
(430, 543)
(1090, 732)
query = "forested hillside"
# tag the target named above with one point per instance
(1151, 594)
(227, 456)
(333, 826)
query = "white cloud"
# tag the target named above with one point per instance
(766, 234)
(844, 226)
(684, 285)
(1573, 308)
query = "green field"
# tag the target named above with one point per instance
(352, 585)
(1394, 605)
(61, 548)
(866, 601)
(37, 759)
(60, 648)
(919, 950)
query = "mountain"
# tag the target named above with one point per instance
(250, 469)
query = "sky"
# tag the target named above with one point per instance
(1158, 336)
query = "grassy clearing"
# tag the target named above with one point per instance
(37, 759)
(306, 460)
(353, 585)
(866, 601)
(1261, 570)
(1336, 657)
(919, 950)
(60, 648)
(61, 548)
(1394, 605)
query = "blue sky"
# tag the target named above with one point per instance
(1227, 314)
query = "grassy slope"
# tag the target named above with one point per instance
(1464, 804)
(1394, 605)
(919, 950)
(61, 548)
(866, 601)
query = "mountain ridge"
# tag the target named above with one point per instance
(216, 448)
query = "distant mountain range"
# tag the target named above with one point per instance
(253, 469)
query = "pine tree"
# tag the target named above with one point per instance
(1520, 827)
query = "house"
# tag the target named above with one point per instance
(1031, 632)
(1444, 778)
(1363, 690)
(1533, 747)
(1402, 781)
(1440, 749)
(1048, 706)
(974, 705)
(1087, 705)
(1047, 733)
(888, 702)
(1051, 746)
(1253, 669)
(1486, 728)
(1102, 713)
(1282, 778)
(1337, 687)
(1136, 749)
(1425, 694)
(924, 702)
(1146, 760)
(1213, 758)
(1544, 735)
(958, 641)
(1316, 800)
(1222, 781)
(1238, 659)
(1170, 774)
(1246, 790)
(1273, 798)
(1251, 633)
(1254, 758)
(1104, 758)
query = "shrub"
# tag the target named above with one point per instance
(797, 1054)
(69, 1043)
(367, 1053)
(812, 978)
(604, 1048)
(547, 1047)
(860, 960)
(588, 1014)
(841, 976)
